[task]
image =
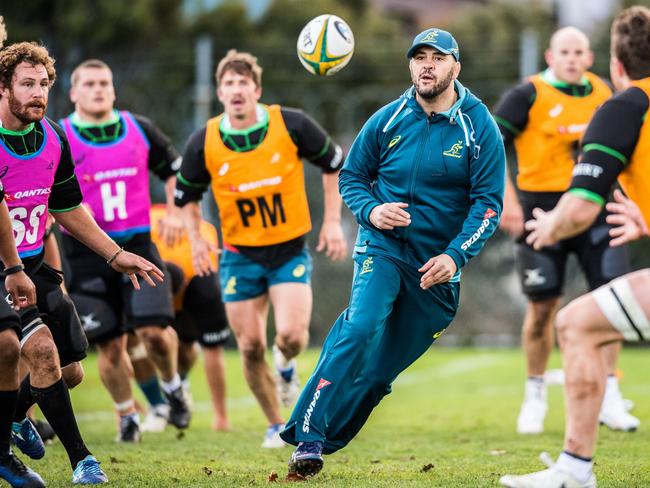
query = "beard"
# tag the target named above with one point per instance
(438, 87)
(22, 111)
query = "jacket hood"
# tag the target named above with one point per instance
(457, 113)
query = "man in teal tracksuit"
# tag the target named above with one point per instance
(424, 177)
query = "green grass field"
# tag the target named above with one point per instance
(450, 422)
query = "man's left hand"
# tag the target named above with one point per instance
(542, 229)
(627, 220)
(132, 265)
(332, 241)
(438, 269)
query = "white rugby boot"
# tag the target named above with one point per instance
(534, 408)
(553, 477)
(614, 412)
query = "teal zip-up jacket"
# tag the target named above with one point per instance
(449, 167)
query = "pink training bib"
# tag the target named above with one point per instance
(114, 178)
(28, 183)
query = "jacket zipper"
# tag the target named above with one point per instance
(414, 171)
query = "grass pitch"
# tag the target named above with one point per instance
(450, 422)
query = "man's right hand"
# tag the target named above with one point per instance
(387, 216)
(132, 265)
(201, 259)
(21, 289)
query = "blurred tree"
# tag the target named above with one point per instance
(489, 37)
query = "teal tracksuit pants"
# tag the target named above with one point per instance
(389, 323)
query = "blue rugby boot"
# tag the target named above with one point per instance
(14, 472)
(26, 438)
(307, 460)
(88, 472)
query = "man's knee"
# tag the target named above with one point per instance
(541, 317)
(154, 338)
(73, 374)
(292, 342)
(112, 350)
(42, 357)
(571, 326)
(252, 350)
(10, 350)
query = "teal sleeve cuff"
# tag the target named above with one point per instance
(456, 256)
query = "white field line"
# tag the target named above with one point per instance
(452, 368)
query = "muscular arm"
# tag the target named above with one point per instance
(607, 147)
(571, 216)
(83, 227)
(19, 286)
(8, 253)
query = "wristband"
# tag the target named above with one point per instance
(112, 258)
(14, 269)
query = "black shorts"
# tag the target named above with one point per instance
(108, 304)
(8, 317)
(202, 317)
(542, 272)
(57, 312)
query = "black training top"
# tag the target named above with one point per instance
(608, 143)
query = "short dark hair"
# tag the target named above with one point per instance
(28, 52)
(631, 41)
(88, 63)
(242, 63)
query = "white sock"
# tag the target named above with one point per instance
(612, 384)
(535, 388)
(134, 416)
(580, 469)
(172, 385)
(125, 405)
(281, 362)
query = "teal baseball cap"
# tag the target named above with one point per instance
(438, 39)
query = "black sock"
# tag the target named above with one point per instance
(57, 409)
(7, 405)
(24, 401)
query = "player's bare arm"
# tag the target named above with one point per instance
(82, 226)
(331, 238)
(171, 227)
(201, 248)
(18, 284)
(570, 217)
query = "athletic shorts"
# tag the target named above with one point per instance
(108, 303)
(8, 317)
(57, 312)
(243, 279)
(542, 272)
(200, 314)
(619, 303)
